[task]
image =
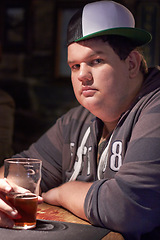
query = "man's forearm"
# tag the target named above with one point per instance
(70, 195)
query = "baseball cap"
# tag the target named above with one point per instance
(105, 18)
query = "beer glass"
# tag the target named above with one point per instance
(24, 175)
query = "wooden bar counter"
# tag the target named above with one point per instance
(54, 213)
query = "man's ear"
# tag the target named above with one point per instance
(134, 61)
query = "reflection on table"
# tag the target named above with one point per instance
(54, 213)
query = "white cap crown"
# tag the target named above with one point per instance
(113, 15)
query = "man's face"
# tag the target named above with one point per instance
(100, 79)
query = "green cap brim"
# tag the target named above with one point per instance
(139, 36)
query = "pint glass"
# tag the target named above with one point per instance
(24, 175)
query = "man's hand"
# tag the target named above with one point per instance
(70, 195)
(7, 212)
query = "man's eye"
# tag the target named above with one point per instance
(75, 67)
(97, 61)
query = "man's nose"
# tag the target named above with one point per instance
(85, 73)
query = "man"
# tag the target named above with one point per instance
(101, 159)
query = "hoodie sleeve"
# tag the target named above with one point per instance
(129, 203)
(53, 148)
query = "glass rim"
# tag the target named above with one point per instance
(16, 194)
(22, 160)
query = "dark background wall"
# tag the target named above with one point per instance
(33, 68)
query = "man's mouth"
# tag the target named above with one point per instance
(88, 91)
